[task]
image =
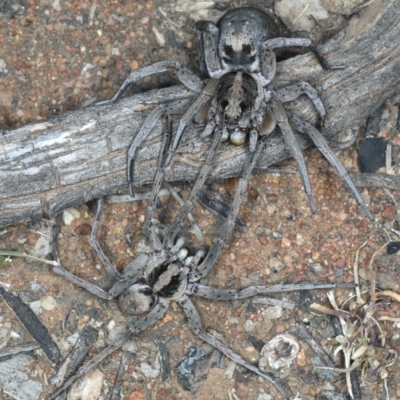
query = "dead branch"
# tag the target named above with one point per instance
(72, 158)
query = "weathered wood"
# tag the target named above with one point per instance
(75, 157)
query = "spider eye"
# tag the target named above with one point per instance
(224, 104)
(228, 50)
(246, 48)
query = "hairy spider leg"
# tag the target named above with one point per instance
(148, 125)
(59, 270)
(207, 93)
(229, 224)
(322, 145)
(176, 226)
(186, 77)
(148, 226)
(280, 42)
(292, 92)
(96, 246)
(293, 144)
(212, 293)
(195, 324)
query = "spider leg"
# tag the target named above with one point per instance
(292, 143)
(251, 291)
(172, 231)
(300, 42)
(295, 90)
(132, 273)
(195, 323)
(228, 225)
(95, 243)
(188, 78)
(59, 270)
(151, 318)
(207, 42)
(209, 91)
(148, 226)
(147, 126)
(322, 145)
(155, 314)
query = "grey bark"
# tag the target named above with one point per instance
(50, 165)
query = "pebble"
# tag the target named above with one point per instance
(88, 388)
(4, 336)
(42, 247)
(36, 307)
(273, 312)
(242, 390)
(69, 215)
(48, 303)
(3, 66)
(249, 325)
(263, 396)
(136, 395)
(275, 264)
(151, 372)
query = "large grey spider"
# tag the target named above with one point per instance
(151, 281)
(239, 100)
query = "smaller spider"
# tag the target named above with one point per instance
(171, 273)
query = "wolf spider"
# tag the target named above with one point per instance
(237, 54)
(171, 273)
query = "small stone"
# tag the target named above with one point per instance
(249, 325)
(151, 372)
(36, 307)
(136, 395)
(134, 64)
(242, 390)
(48, 303)
(273, 312)
(42, 247)
(299, 239)
(301, 358)
(164, 394)
(263, 396)
(4, 337)
(3, 66)
(88, 388)
(83, 229)
(69, 215)
(389, 213)
(275, 264)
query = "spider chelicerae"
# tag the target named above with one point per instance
(171, 272)
(236, 92)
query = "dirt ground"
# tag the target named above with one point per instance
(64, 56)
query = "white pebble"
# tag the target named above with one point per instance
(249, 325)
(88, 388)
(69, 215)
(49, 303)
